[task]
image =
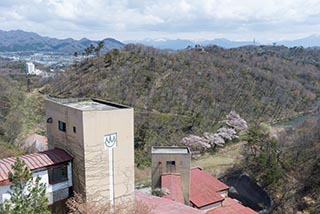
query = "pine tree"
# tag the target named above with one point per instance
(27, 197)
(99, 48)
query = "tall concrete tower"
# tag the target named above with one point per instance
(99, 136)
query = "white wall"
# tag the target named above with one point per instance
(4, 193)
(43, 174)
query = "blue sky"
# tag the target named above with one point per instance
(266, 21)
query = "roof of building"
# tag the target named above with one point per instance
(165, 206)
(173, 183)
(170, 150)
(90, 105)
(204, 188)
(83, 104)
(231, 206)
(34, 161)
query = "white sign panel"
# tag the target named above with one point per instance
(110, 141)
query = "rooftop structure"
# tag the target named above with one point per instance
(170, 150)
(171, 160)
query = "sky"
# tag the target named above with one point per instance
(240, 20)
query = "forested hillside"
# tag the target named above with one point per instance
(180, 93)
(21, 112)
(189, 92)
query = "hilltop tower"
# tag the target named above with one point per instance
(99, 136)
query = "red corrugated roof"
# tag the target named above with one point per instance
(34, 161)
(231, 206)
(204, 188)
(165, 206)
(173, 183)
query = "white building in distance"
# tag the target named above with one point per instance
(31, 69)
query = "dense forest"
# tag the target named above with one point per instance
(179, 93)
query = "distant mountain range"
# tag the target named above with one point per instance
(310, 41)
(179, 44)
(18, 40)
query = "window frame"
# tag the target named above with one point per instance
(171, 166)
(62, 126)
(54, 178)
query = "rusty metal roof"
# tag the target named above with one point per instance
(165, 206)
(231, 206)
(173, 183)
(34, 161)
(204, 188)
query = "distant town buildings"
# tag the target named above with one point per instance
(30, 69)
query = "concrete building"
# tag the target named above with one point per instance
(99, 135)
(171, 160)
(171, 171)
(30, 68)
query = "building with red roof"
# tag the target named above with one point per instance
(165, 206)
(205, 190)
(231, 206)
(54, 167)
(172, 182)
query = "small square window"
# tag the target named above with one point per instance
(171, 166)
(74, 129)
(62, 126)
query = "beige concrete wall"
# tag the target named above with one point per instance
(96, 125)
(182, 162)
(91, 159)
(69, 141)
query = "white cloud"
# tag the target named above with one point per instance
(174, 18)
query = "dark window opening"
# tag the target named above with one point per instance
(171, 166)
(74, 129)
(58, 174)
(62, 126)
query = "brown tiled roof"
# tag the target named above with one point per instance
(204, 188)
(231, 206)
(173, 183)
(34, 161)
(165, 206)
